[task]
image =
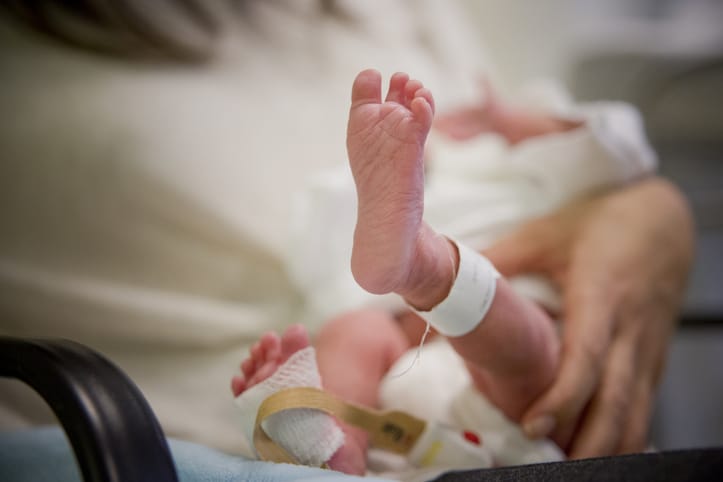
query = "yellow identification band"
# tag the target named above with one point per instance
(393, 431)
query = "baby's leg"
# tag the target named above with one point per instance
(352, 364)
(355, 351)
(385, 142)
(513, 355)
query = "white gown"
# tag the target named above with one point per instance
(152, 211)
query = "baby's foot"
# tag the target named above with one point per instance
(385, 143)
(512, 356)
(267, 355)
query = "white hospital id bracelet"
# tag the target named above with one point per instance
(470, 297)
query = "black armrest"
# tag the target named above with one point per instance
(693, 465)
(112, 429)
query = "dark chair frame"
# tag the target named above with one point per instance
(116, 437)
(113, 431)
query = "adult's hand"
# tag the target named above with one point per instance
(621, 261)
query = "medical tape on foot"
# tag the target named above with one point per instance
(470, 298)
(425, 443)
(310, 436)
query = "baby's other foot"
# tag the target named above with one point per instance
(385, 143)
(267, 355)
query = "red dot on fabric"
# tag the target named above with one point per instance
(472, 437)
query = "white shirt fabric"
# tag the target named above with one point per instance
(147, 209)
(167, 215)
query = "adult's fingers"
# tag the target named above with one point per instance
(635, 434)
(587, 333)
(605, 419)
(650, 352)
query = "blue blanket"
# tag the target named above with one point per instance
(45, 455)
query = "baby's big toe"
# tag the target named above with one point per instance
(367, 88)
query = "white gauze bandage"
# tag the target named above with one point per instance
(470, 298)
(311, 436)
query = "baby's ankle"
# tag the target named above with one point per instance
(432, 275)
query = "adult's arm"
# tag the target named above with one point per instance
(621, 261)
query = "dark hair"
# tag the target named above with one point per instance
(183, 30)
(175, 29)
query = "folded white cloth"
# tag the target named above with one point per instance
(439, 388)
(476, 191)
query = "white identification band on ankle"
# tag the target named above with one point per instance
(470, 297)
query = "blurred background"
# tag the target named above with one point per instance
(666, 57)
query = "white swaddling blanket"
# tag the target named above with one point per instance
(439, 388)
(476, 191)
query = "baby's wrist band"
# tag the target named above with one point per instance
(470, 298)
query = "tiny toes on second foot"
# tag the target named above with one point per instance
(238, 384)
